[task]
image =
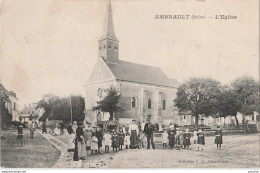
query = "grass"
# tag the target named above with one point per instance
(37, 152)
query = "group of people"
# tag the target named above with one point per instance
(84, 138)
(182, 139)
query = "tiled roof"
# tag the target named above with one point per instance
(132, 72)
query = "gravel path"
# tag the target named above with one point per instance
(238, 151)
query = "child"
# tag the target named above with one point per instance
(195, 136)
(94, 141)
(127, 140)
(187, 139)
(177, 139)
(115, 141)
(165, 139)
(121, 137)
(218, 137)
(182, 139)
(107, 141)
(99, 135)
(142, 137)
(171, 136)
(201, 139)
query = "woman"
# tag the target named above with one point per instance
(134, 132)
(218, 137)
(44, 128)
(80, 147)
(71, 133)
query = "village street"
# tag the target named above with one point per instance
(237, 151)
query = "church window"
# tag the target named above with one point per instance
(164, 105)
(253, 118)
(104, 46)
(184, 117)
(149, 103)
(100, 48)
(115, 47)
(133, 102)
(99, 92)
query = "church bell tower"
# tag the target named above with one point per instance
(108, 44)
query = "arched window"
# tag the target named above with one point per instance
(133, 102)
(149, 103)
(100, 48)
(99, 92)
(164, 105)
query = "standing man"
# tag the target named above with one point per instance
(148, 130)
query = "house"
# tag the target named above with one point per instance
(12, 103)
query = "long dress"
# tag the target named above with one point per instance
(134, 131)
(218, 137)
(80, 147)
(171, 137)
(71, 133)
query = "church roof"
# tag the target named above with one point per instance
(109, 32)
(132, 72)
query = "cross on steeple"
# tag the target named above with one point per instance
(108, 43)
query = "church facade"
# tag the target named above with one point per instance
(146, 92)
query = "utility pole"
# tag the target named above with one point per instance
(70, 110)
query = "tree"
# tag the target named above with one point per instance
(110, 103)
(198, 96)
(246, 90)
(228, 103)
(57, 108)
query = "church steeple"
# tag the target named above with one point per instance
(108, 43)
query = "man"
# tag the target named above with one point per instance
(134, 132)
(148, 130)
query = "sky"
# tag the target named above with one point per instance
(50, 46)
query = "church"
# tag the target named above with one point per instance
(146, 92)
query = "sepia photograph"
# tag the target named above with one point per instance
(129, 84)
